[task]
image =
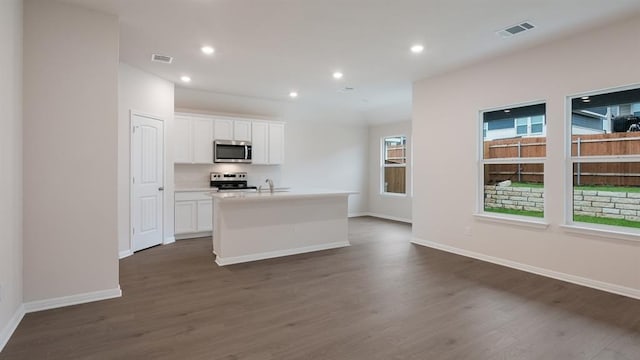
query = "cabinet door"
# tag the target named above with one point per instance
(276, 143)
(259, 142)
(203, 141)
(205, 215)
(186, 217)
(223, 129)
(182, 140)
(242, 130)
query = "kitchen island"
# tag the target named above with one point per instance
(262, 225)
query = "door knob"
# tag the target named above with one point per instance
(161, 188)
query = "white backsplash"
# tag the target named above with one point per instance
(197, 175)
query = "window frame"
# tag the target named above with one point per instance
(526, 126)
(383, 165)
(481, 162)
(625, 233)
(542, 124)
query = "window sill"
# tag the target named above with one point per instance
(601, 232)
(393, 194)
(517, 221)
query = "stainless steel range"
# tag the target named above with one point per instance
(225, 182)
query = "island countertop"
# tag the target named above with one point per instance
(279, 195)
(249, 226)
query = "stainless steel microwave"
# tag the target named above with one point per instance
(230, 151)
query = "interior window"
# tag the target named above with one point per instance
(394, 164)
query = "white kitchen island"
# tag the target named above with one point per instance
(255, 226)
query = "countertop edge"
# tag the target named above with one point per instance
(235, 197)
(193, 190)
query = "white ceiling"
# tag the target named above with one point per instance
(266, 48)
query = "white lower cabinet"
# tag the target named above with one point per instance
(205, 215)
(193, 214)
(186, 217)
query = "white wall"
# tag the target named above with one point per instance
(11, 165)
(142, 92)
(325, 148)
(396, 207)
(70, 151)
(446, 164)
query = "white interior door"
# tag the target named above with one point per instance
(147, 159)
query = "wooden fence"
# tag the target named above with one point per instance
(395, 178)
(616, 174)
(396, 154)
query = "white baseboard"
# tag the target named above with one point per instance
(8, 330)
(47, 304)
(358, 214)
(169, 240)
(125, 253)
(193, 235)
(595, 284)
(382, 216)
(279, 253)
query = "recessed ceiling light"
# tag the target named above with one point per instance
(416, 49)
(337, 75)
(208, 50)
(293, 94)
(185, 78)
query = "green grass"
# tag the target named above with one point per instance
(628, 189)
(577, 218)
(529, 185)
(538, 214)
(606, 221)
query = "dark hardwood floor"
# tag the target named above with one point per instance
(381, 298)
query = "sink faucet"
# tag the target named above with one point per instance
(270, 182)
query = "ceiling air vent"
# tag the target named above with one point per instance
(516, 29)
(161, 58)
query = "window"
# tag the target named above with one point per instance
(394, 165)
(512, 161)
(537, 124)
(605, 160)
(521, 126)
(530, 125)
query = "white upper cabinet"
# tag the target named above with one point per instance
(232, 129)
(268, 142)
(194, 134)
(193, 140)
(276, 143)
(260, 143)
(182, 139)
(242, 130)
(223, 129)
(202, 141)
